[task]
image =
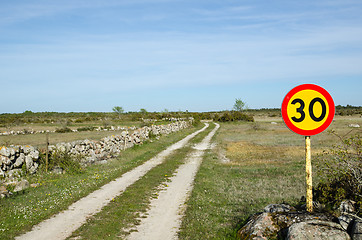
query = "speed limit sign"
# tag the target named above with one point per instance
(308, 109)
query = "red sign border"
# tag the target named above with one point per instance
(318, 130)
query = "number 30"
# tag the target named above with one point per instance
(300, 110)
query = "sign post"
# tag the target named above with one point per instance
(308, 176)
(308, 110)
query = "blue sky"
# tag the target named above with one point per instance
(196, 55)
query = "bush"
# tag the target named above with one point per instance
(233, 116)
(63, 130)
(341, 167)
(63, 159)
(84, 129)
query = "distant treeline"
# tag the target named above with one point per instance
(7, 119)
(28, 117)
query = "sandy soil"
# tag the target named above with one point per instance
(165, 214)
(63, 224)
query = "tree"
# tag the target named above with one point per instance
(239, 105)
(118, 109)
(142, 110)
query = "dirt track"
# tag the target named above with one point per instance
(164, 216)
(63, 224)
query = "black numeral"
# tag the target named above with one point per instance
(324, 109)
(299, 110)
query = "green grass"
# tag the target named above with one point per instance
(56, 192)
(263, 166)
(121, 216)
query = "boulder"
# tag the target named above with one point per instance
(14, 173)
(347, 206)
(33, 168)
(345, 221)
(22, 185)
(5, 151)
(19, 161)
(34, 154)
(27, 149)
(4, 192)
(356, 229)
(274, 222)
(29, 162)
(271, 208)
(260, 226)
(58, 170)
(5, 160)
(317, 230)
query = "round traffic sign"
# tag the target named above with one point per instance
(308, 109)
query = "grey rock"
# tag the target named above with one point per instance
(356, 229)
(5, 160)
(34, 154)
(27, 149)
(317, 230)
(347, 206)
(268, 225)
(29, 162)
(58, 170)
(19, 161)
(14, 173)
(354, 125)
(345, 220)
(4, 192)
(102, 162)
(259, 227)
(5, 151)
(33, 168)
(271, 208)
(22, 185)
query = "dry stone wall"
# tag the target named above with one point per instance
(14, 159)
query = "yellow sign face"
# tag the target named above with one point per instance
(308, 109)
(304, 115)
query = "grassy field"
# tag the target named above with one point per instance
(252, 165)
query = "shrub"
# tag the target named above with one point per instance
(63, 159)
(83, 129)
(63, 130)
(233, 116)
(341, 167)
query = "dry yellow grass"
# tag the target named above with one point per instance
(245, 153)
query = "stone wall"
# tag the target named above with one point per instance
(15, 159)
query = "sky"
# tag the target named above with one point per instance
(194, 55)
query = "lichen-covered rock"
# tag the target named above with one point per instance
(19, 161)
(260, 226)
(4, 151)
(317, 230)
(356, 229)
(22, 185)
(274, 222)
(271, 208)
(347, 206)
